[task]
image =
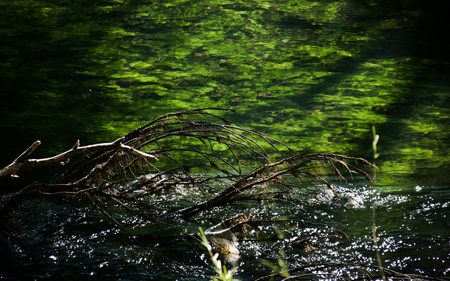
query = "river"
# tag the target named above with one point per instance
(318, 75)
(67, 240)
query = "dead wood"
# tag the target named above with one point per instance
(21, 163)
(197, 159)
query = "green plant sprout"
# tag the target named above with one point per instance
(223, 273)
(376, 137)
(282, 267)
(374, 236)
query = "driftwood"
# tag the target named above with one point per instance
(179, 153)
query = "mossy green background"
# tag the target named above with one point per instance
(317, 75)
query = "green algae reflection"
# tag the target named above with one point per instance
(316, 74)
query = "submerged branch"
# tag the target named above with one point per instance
(180, 166)
(182, 154)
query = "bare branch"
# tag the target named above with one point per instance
(20, 164)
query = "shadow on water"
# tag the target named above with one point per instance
(422, 95)
(52, 73)
(420, 49)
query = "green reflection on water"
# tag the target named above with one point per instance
(316, 74)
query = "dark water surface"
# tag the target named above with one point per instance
(63, 240)
(318, 75)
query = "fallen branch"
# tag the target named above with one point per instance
(21, 163)
(217, 159)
